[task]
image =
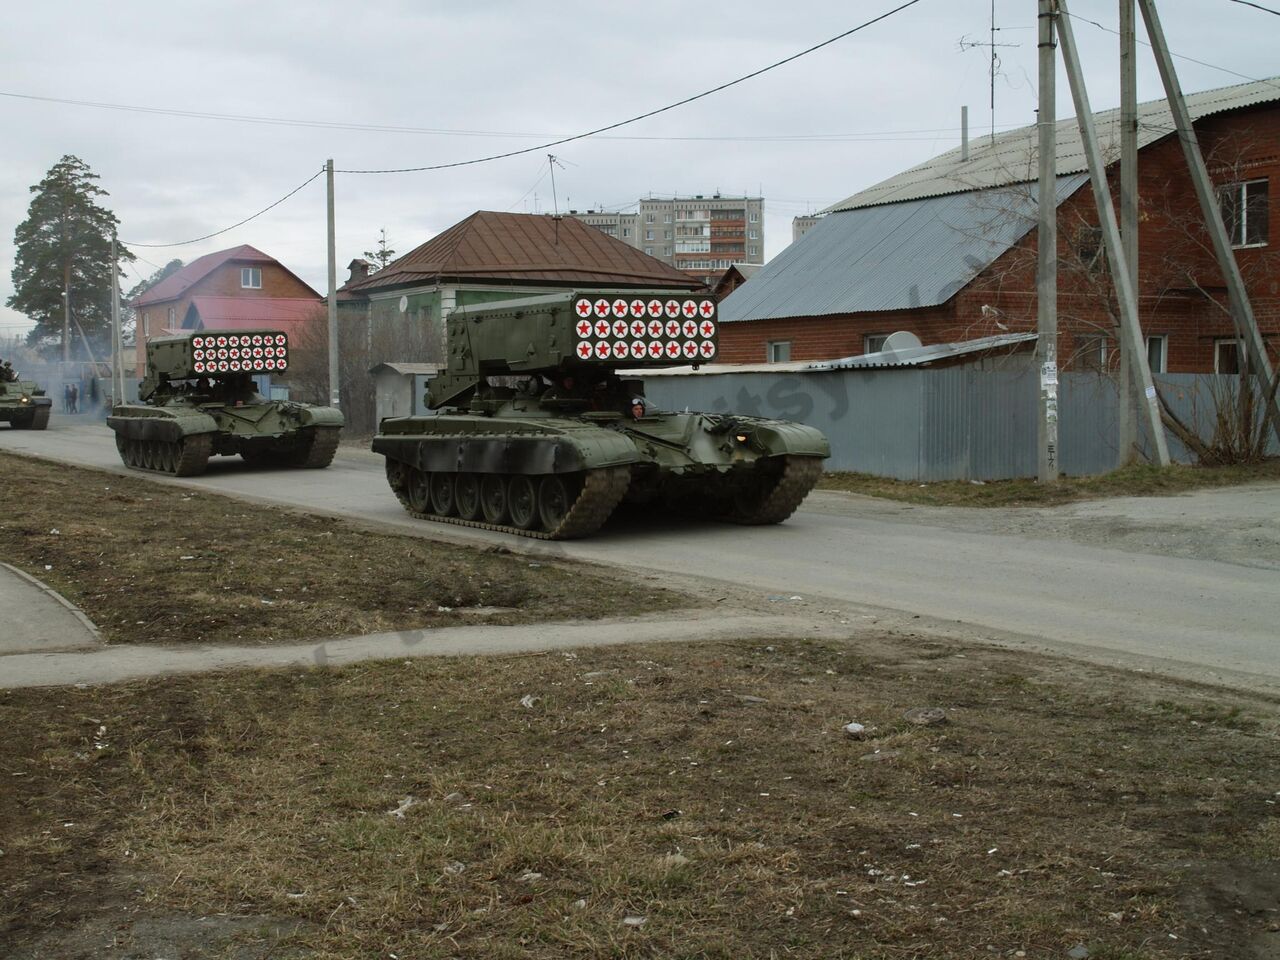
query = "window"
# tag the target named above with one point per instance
(755, 217)
(874, 342)
(1089, 249)
(649, 251)
(648, 218)
(1245, 212)
(753, 235)
(1226, 355)
(753, 251)
(1091, 353)
(648, 234)
(146, 324)
(666, 218)
(1157, 357)
(666, 234)
(626, 231)
(171, 317)
(251, 278)
(778, 351)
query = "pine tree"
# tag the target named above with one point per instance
(65, 243)
(384, 254)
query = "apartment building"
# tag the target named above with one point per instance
(701, 235)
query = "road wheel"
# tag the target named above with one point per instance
(522, 501)
(442, 494)
(418, 491)
(466, 495)
(554, 501)
(493, 497)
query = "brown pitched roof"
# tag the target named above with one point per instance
(530, 248)
(176, 284)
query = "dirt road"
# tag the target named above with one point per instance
(1053, 579)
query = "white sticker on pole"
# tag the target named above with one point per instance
(1151, 393)
(1049, 374)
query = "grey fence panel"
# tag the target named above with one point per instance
(957, 423)
(1088, 437)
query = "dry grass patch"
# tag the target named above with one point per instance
(421, 809)
(157, 563)
(1136, 481)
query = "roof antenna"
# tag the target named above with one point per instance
(553, 162)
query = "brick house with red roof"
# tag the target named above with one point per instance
(238, 288)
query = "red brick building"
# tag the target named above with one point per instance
(239, 287)
(947, 250)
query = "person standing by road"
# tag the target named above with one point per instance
(75, 399)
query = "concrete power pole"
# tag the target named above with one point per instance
(333, 293)
(1125, 297)
(1126, 415)
(1047, 246)
(117, 364)
(1254, 348)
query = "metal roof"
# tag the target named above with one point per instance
(1012, 156)
(528, 248)
(899, 256)
(925, 355)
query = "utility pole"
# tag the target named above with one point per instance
(1047, 249)
(333, 293)
(1126, 416)
(117, 364)
(1129, 328)
(1255, 349)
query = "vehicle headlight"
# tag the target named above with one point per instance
(25, 399)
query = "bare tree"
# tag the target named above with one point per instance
(374, 334)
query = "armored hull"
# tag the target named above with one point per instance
(181, 436)
(23, 406)
(199, 401)
(522, 470)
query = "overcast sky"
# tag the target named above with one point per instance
(490, 76)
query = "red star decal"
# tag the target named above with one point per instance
(583, 307)
(690, 308)
(707, 328)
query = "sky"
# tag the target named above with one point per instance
(463, 81)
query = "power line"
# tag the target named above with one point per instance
(885, 136)
(183, 243)
(1203, 63)
(1257, 6)
(651, 113)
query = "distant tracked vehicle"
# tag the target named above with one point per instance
(538, 435)
(198, 400)
(22, 404)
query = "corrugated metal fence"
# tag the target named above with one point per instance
(956, 423)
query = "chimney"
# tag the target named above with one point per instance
(359, 269)
(964, 133)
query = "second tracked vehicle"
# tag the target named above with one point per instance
(199, 399)
(22, 403)
(538, 433)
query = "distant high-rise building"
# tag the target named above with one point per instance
(802, 225)
(701, 235)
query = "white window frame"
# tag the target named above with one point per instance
(1161, 341)
(873, 342)
(774, 350)
(146, 325)
(1239, 231)
(648, 251)
(171, 317)
(754, 217)
(247, 277)
(1218, 343)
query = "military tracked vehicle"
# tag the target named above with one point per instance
(22, 404)
(198, 399)
(539, 435)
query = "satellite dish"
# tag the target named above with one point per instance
(902, 340)
(404, 304)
